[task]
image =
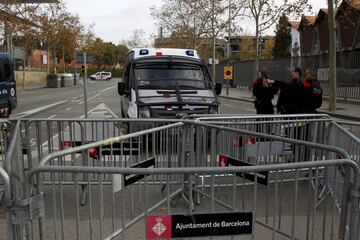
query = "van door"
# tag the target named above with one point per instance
(8, 100)
(3, 86)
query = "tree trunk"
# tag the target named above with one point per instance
(48, 61)
(214, 57)
(214, 43)
(256, 68)
(332, 57)
(64, 59)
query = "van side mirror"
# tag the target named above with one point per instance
(122, 88)
(218, 88)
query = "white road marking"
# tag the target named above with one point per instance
(104, 90)
(37, 110)
(52, 116)
(68, 109)
(101, 107)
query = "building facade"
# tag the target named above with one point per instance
(295, 39)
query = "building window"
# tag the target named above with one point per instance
(338, 39)
(316, 47)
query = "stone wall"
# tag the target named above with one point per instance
(32, 79)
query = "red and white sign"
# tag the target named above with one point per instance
(238, 140)
(158, 227)
(223, 161)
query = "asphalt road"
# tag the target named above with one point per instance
(69, 102)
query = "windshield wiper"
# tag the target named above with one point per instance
(190, 87)
(156, 87)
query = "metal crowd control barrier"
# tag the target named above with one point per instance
(288, 210)
(180, 168)
(5, 128)
(353, 127)
(319, 129)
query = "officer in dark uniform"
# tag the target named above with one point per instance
(264, 93)
(312, 97)
(291, 94)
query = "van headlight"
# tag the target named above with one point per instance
(213, 110)
(144, 112)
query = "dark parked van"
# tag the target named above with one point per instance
(8, 101)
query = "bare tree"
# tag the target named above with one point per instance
(196, 21)
(267, 12)
(332, 55)
(137, 39)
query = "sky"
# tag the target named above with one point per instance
(115, 20)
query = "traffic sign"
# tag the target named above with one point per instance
(80, 58)
(228, 72)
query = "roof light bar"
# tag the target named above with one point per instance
(144, 52)
(190, 53)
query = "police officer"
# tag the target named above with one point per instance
(312, 97)
(264, 93)
(291, 94)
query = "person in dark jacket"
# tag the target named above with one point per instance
(264, 94)
(312, 97)
(291, 94)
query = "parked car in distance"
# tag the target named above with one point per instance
(101, 76)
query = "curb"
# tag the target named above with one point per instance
(336, 115)
(355, 102)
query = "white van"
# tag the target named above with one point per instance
(101, 76)
(166, 83)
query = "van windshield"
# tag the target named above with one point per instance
(170, 76)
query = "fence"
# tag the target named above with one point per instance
(348, 80)
(87, 179)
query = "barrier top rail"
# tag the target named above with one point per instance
(195, 116)
(110, 141)
(234, 116)
(194, 170)
(348, 122)
(211, 120)
(142, 120)
(106, 142)
(349, 134)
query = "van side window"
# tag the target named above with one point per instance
(2, 72)
(7, 68)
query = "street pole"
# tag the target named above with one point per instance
(228, 47)
(332, 57)
(85, 86)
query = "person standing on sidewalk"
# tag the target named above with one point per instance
(312, 97)
(290, 99)
(264, 93)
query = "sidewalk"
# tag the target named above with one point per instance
(349, 111)
(36, 86)
(19, 86)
